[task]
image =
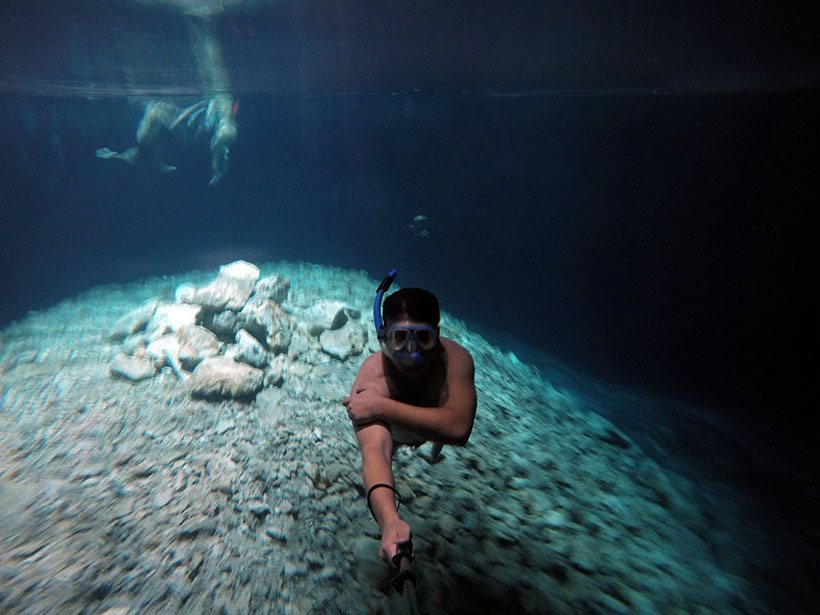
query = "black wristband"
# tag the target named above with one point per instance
(386, 486)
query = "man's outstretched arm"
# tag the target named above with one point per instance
(376, 445)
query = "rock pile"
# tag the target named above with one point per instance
(234, 336)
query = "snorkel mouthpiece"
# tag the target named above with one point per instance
(377, 303)
(409, 360)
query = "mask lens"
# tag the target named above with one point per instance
(398, 338)
(425, 338)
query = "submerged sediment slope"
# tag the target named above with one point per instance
(138, 497)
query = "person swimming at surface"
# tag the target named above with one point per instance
(215, 115)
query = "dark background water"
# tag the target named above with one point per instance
(631, 190)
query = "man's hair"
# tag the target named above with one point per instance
(420, 305)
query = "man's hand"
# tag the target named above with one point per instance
(393, 535)
(364, 406)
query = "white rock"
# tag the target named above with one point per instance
(275, 373)
(272, 287)
(135, 344)
(341, 343)
(169, 318)
(195, 344)
(324, 315)
(231, 288)
(156, 349)
(266, 321)
(225, 425)
(133, 321)
(225, 324)
(184, 293)
(240, 269)
(132, 368)
(223, 377)
(249, 350)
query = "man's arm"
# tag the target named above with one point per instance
(376, 446)
(450, 423)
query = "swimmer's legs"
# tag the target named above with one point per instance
(190, 114)
(158, 116)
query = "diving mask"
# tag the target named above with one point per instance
(425, 337)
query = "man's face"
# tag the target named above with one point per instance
(410, 345)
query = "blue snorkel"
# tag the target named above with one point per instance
(413, 359)
(377, 303)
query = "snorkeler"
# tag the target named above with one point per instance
(215, 116)
(419, 386)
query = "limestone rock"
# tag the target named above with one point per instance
(324, 315)
(221, 377)
(184, 293)
(275, 373)
(135, 344)
(156, 350)
(267, 322)
(231, 288)
(133, 321)
(132, 368)
(301, 343)
(272, 287)
(195, 344)
(225, 425)
(170, 318)
(249, 350)
(224, 324)
(341, 343)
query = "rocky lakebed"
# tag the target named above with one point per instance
(179, 445)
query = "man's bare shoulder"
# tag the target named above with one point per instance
(371, 367)
(457, 355)
(371, 374)
(455, 350)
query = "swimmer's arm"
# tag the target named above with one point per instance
(451, 423)
(369, 378)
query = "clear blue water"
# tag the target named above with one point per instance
(632, 191)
